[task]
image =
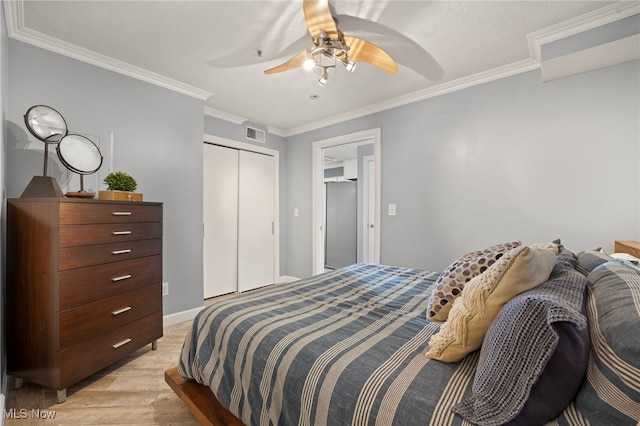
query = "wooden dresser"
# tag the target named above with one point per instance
(84, 286)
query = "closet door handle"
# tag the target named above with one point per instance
(121, 311)
(124, 342)
(120, 278)
(121, 233)
(121, 213)
(121, 251)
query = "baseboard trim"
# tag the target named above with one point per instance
(190, 314)
(182, 316)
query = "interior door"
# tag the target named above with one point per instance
(220, 214)
(256, 220)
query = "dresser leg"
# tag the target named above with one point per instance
(62, 395)
(17, 383)
(154, 345)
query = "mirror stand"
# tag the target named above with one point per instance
(82, 193)
(42, 187)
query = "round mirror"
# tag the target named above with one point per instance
(45, 123)
(79, 154)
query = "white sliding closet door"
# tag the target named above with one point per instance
(256, 206)
(220, 213)
(239, 208)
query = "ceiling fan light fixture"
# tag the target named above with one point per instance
(350, 66)
(324, 78)
(309, 64)
(331, 46)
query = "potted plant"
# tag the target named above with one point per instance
(120, 187)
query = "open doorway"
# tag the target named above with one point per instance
(346, 200)
(348, 215)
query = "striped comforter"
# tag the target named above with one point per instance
(345, 347)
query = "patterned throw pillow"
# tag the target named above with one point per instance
(453, 279)
(519, 270)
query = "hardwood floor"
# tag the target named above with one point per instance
(130, 392)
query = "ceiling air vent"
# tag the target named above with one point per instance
(254, 134)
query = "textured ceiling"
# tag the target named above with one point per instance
(210, 47)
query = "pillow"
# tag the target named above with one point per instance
(588, 260)
(518, 270)
(453, 279)
(611, 393)
(627, 259)
(535, 354)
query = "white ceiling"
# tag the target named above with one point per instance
(207, 49)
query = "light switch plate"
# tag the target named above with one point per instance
(392, 209)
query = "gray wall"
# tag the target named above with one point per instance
(511, 159)
(157, 139)
(224, 129)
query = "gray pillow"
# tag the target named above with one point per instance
(588, 260)
(611, 393)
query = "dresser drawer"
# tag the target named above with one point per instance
(85, 285)
(91, 213)
(77, 257)
(80, 361)
(84, 235)
(82, 323)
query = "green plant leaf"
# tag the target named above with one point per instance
(120, 181)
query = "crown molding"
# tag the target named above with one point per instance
(588, 21)
(15, 28)
(222, 115)
(276, 131)
(431, 92)
(14, 15)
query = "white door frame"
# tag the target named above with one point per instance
(276, 214)
(366, 165)
(317, 191)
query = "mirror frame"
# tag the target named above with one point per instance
(31, 122)
(68, 164)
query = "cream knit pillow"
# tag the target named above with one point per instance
(519, 270)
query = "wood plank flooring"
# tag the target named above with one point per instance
(130, 392)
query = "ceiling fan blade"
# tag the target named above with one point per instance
(405, 51)
(292, 63)
(363, 51)
(318, 18)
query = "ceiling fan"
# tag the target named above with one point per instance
(331, 46)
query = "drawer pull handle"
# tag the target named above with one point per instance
(121, 251)
(121, 213)
(123, 277)
(124, 342)
(121, 233)
(121, 311)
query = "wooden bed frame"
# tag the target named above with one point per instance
(208, 410)
(200, 401)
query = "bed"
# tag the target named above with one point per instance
(348, 347)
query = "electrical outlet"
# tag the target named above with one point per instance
(165, 289)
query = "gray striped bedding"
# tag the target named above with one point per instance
(342, 348)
